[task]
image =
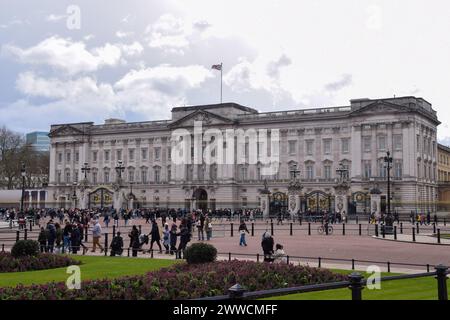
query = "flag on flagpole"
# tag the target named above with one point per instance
(217, 67)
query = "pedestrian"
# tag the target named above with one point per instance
(279, 256)
(166, 237)
(134, 240)
(75, 239)
(201, 235)
(116, 219)
(96, 234)
(267, 247)
(185, 236)
(155, 236)
(66, 236)
(242, 230)
(208, 225)
(173, 238)
(42, 239)
(58, 237)
(106, 220)
(51, 235)
(117, 245)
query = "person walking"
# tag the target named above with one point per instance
(242, 230)
(134, 240)
(201, 234)
(58, 237)
(208, 226)
(51, 235)
(155, 236)
(106, 220)
(42, 239)
(185, 237)
(66, 236)
(173, 238)
(96, 235)
(166, 237)
(75, 239)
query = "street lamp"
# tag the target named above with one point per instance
(85, 169)
(119, 169)
(388, 161)
(23, 173)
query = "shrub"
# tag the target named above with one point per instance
(180, 281)
(24, 248)
(42, 261)
(200, 253)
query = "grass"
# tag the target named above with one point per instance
(92, 268)
(408, 289)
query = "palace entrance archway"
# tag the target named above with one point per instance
(200, 197)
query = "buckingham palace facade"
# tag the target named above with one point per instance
(87, 159)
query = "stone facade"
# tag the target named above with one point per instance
(317, 141)
(444, 177)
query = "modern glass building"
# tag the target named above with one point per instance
(38, 140)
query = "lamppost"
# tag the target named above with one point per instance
(85, 169)
(74, 195)
(388, 161)
(23, 173)
(119, 169)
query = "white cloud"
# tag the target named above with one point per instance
(131, 50)
(123, 34)
(344, 81)
(67, 55)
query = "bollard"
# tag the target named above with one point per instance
(253, 229)
(401, 227)
(309, 228)
(271, 227)
(128, 254)
(320, 262)
(389, 267)
(236, 292)
(290, 229)
(439, 235)
(343, 229)
(356, 285)
(441, 276)
(287, 259)
(383, 231)
(376, 230)
(326, 230)
(353, 264)
(434, 228)
(106, 244)
(428, 267)
(114, 231)
(25, 234)
(301, 218)
(231, 229)
(151, 253)
(395, 232)
(257, 257)
(360, 229)
(414, 234)
(17, 235)
(229, 256)
(417, 227)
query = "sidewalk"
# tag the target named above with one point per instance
(420, 239)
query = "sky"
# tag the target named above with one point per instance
(75, 61)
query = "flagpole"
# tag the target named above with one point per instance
(221, 67)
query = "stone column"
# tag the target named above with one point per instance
(375, 202)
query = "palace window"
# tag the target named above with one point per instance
(157, 174)
(144, 176)
(94, 177)
(367, 169)
(58, 177)
(59, 157)
(327, 171)
(382, 169)
(94, 156)
(398, 142)
(169, 153)
(131, 154)
(292, 145)
(106, 176)
(398, 169)
(130, 175)
(309, 147)
(169, 173)
(381, 143)
(144, 154)
(367, 143)
(345, 143)
(158, 153)
(310, 172)
(68, 156)
(67, 176)
(77, 156)
(106, 155)
(327, 146)
(119, 155)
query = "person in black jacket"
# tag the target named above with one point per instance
(185, 237)
(117, 245)
(42, 239)
(267, 246)
(173, 238)
(156, 237)
(75, 239)
(242, 230)
(134, 240)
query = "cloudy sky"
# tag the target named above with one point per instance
(70, 61)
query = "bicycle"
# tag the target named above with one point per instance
(321, 230)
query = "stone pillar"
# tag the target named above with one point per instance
(341, 203)
(264, 205)
(375, 204)
(294, 204)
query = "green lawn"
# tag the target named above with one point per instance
(92, 268)
(409, 289)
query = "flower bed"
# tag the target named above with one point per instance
(181, 281)
(30, 263)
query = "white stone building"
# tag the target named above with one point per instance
(316, 140)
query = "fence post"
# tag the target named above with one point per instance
(439, 235)
(360, 229)
(414, 234)
(343, 229)
(309, 228)
(106, 244)
(434, 228)
(287, 259)
(301, 218)
(401, 227)
(236, 292)
(229, 256)
(441, 276)
(231, 229)
(114, 231)
(383, 231)
(290, 229)
(271, 227)
(389, 267)
(320, 262)
(356, 285)
(257, 257)
(253, 229)
(25, 234)
(353, 264)
(17, 235)
(395, 232)
(428, 267)
(376, 230)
